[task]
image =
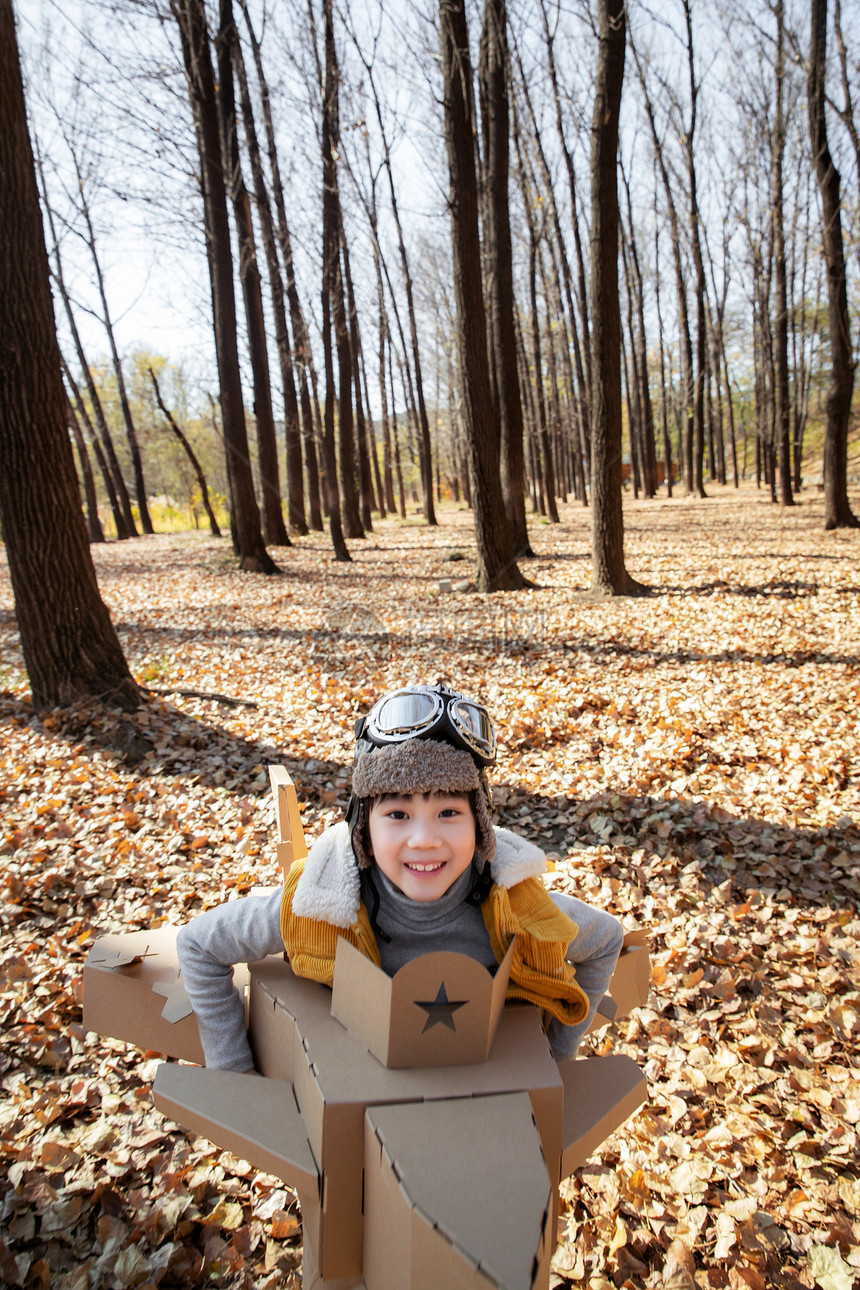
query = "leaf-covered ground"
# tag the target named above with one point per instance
(688, 760)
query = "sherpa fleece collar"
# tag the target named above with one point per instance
(329, 890)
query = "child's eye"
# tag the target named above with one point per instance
(450, 812)
(396, 815)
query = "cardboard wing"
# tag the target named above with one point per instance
(439, 1010)
(630, 982)
(438, 1215)
(133, 991)
(600, 1093)
(257, 1119)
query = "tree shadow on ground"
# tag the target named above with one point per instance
(160, 739)
(703, 846)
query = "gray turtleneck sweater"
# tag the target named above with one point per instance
(408, 928)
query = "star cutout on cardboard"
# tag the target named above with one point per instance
(440, 1012)
(178, 1004)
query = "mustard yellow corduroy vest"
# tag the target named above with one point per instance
(539, 971)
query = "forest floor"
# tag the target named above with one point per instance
(688, 760)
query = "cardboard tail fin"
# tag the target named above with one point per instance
(291, 843)
(255, 1118)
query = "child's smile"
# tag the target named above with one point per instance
(423, 843)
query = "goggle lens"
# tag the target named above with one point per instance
(403, 713)
(475, 721)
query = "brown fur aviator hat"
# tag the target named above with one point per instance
(421, 766)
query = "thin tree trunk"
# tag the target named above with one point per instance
(332, 294)
(568, 159)
(581, 385)
(401, 495)
(191, 455)
(292, 431)
(782, 410)
(364, 475)
(837, 509)
(302, 355)
(609, 575)
(664, 414)
(680, 285)
(110, 489)
(698, 264)
(130, 431)
(274, 530)
(124, 519)
(424, 446)
(95, 531)
(639, 347)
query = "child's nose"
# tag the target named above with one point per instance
(424, 834)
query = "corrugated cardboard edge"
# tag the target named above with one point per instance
(600, 1093)
(410, 1185)
(257, 1119)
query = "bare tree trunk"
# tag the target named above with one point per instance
(274, 530)
(191, 455)
(110, 489)
(95, 533)
(364, 475)
(498, 249)
(639, 347)
(497, 568)
(837, 509)
(292, 431)
(302, 356)
(664, 416)
(560, 256)
(568, 159)
(401, 495)
(698, 264)
(386, 429)
(782, 409)
(424, 446)
(609, 575)
(332, 292)
(123, 517)
(244, 512)
(541, 426)
(131, 432)
(70, 648)
(680, 284)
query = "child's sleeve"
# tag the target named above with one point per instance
(595, 952)
(240, 931)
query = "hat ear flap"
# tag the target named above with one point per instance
(485, 834)
(360, 837)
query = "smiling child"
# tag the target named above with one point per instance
(415, 868)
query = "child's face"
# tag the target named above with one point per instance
(423, 844)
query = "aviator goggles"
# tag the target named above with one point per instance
(430, 712)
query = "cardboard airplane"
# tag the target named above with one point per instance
(422, 1120)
